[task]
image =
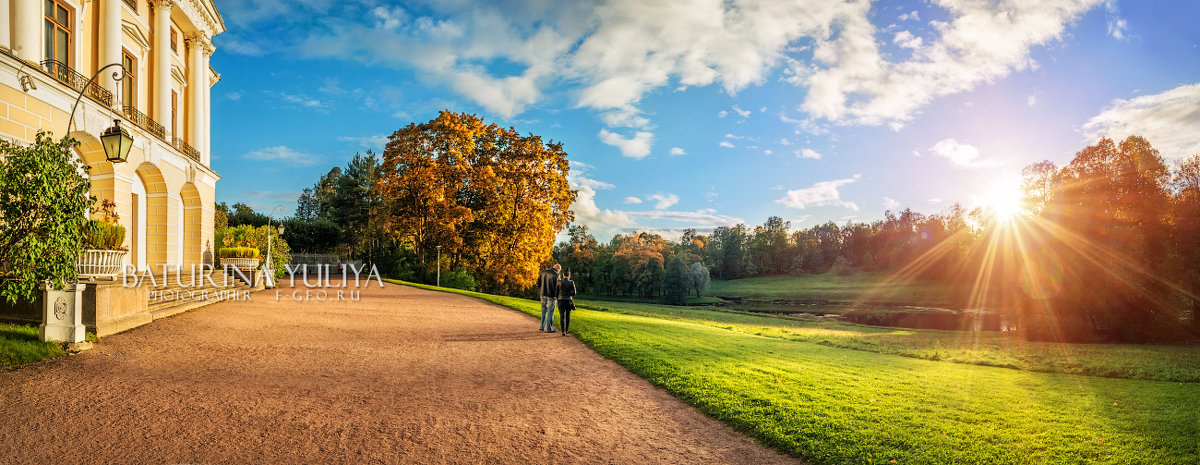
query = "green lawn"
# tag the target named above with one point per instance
(832, 405)
(874, 287)
(19, 345)
(988, 348)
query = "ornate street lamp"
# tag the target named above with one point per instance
(117, 142)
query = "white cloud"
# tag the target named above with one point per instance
(741, 112)
(1031, 101)
(503, 56)
(664, 201)
(1117, 28)
(821, 193)
(935, 200)
(808, 153)
(235, 96)
(637, 146)
(600, 221)
(605, 222)
(906, 39)
(676, 151)
(731, 136)
(625, 118)
(707, 217)
(958, 153)
(281, 153)
(376, 142)
(722, 114)
(238, 47)
(890, 203)
(768, 151)
(302, 100)
(851, 82)
(785, 142)
(1170, 120)
(907, 16)
(726, 144)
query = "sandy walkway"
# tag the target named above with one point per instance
(404, 376)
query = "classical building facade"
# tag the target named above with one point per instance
(165, 191)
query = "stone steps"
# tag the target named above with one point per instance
(172, 299)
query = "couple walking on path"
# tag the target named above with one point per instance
(556, 289)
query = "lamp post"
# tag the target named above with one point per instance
(439, 266)
(271, 264)
(115, 140)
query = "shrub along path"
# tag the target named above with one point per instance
(404, 376)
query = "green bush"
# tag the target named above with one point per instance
(102, 235)
(458, 279)
(238, 252)
(43, 200)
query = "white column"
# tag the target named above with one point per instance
(110, 42)
(26, 27)
(196, 84)
(5, 18)
(162, 64)
(206, 122)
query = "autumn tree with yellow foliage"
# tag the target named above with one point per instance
(494, 200)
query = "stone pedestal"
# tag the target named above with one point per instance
(62, 314)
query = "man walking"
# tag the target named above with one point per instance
(547, 284)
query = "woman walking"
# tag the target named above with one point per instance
(566, 301)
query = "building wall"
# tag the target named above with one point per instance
(177, 182)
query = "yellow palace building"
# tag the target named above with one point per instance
(50, 48)
(164, 192)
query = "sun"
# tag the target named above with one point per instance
(1003, 199)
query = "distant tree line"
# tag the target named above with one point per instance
(1108, 249)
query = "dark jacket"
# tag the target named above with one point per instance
(547, 283)
(566, 289)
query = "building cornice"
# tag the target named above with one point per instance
(204, 15)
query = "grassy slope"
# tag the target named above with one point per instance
(833, 405)
(19, 345)
(874, 287)
(1160, 363)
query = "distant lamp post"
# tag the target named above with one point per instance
(117, 142)
(439, 266)
(271, 264)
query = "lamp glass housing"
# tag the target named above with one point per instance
(117, 142)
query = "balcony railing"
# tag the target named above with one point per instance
(71, 78)
(186, 148)
(144, 122)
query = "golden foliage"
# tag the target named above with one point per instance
(491, 198)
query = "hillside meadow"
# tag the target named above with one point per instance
(828, 404)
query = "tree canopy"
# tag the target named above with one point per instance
(494, 200)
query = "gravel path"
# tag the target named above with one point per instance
(402, 376)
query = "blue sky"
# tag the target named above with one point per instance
(709, 113)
